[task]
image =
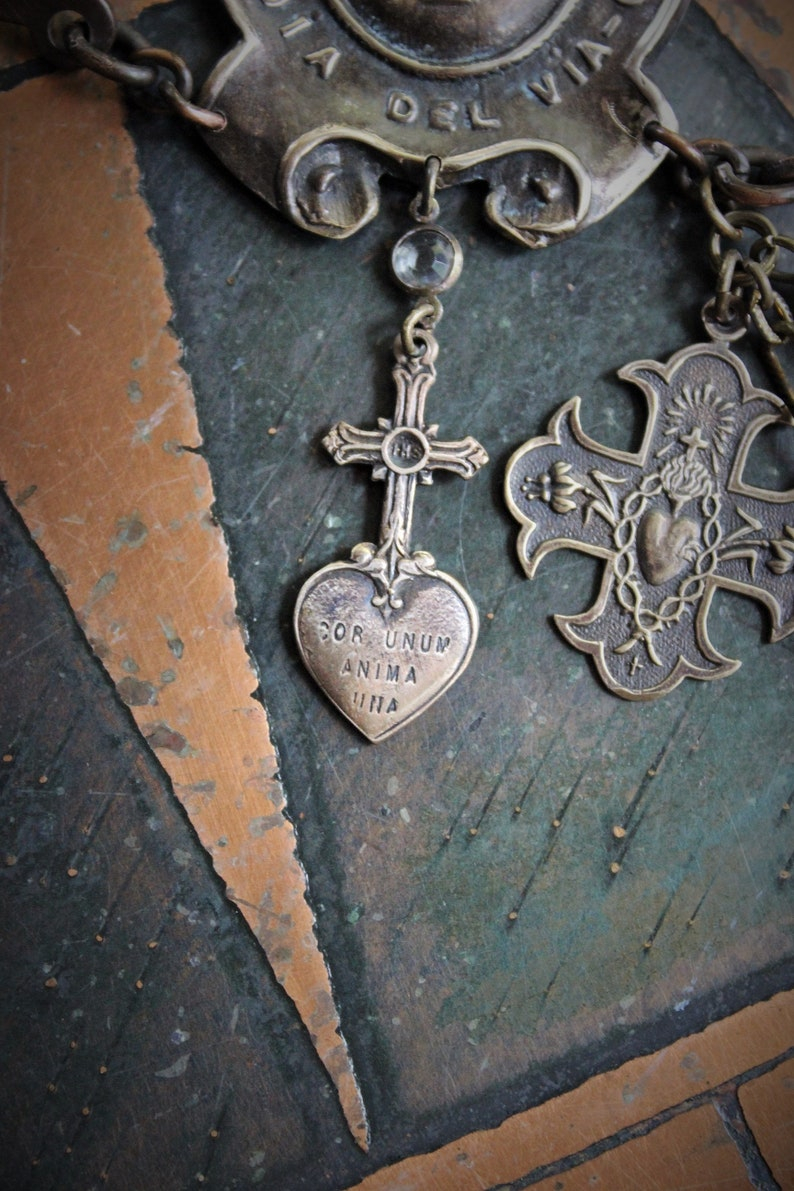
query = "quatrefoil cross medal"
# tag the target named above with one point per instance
(674, 522)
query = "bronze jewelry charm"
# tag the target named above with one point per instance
(677, 520)
(674, 522)
(386, 634)
(545, 104)
(544, 100)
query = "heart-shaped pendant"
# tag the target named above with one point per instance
(386, 633)
(664, 545)
(383, 662)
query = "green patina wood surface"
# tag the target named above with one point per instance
(455, 1013)
(161, 1047)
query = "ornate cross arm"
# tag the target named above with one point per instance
(404, 450)
(757, 550)
(565, 490)
(464, 457)
(347, 444)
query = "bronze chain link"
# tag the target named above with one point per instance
(730, 184)
(160, 77)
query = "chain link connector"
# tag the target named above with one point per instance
(108, 65)
(722, 226)
(778, 241)
(770, 183)
(167, 61)
(766, 250)
(753, 177)
(782, 383)
(212, 120)
(725, 152)
(678, 144)
(147, 68)
(425, 316)
(728, 325)
(424, 207)
(47, 20)
(782, 329)
(762, 285)
(724, 301)
(772, 165)
(751, 194)
(745, 294)
(731, 157)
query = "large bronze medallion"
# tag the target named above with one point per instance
(544, 101)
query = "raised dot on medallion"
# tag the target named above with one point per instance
(427, 260)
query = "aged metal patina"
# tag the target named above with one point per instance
(674, 521)
(678, 519)
(544, 102)
(387, 633)
(473, 788)
(47, 21)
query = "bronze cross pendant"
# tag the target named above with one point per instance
(403, 451)
(386, 633)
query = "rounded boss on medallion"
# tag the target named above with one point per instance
(452, 37)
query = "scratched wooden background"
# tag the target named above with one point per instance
(415, 852)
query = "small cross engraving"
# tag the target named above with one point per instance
(404, 450)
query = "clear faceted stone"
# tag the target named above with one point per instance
(425, 259)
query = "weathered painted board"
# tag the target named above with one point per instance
(416, 853)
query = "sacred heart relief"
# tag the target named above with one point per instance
(674, 521)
